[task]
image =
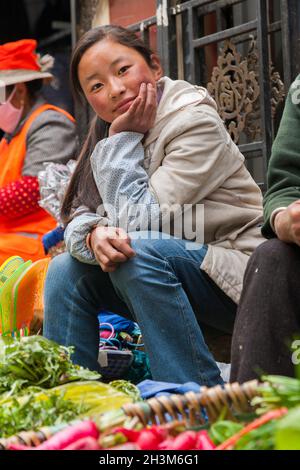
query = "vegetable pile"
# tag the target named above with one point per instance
(276, 427)
(158, 438)
(40, 386)
(28, 413)
(81, 436)
(37, 361)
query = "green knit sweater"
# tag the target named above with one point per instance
(284, 165)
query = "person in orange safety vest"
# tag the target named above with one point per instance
(35, 132)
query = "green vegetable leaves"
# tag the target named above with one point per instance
(277, 391)
(288, 431)
(126, 387)
(222, 430)
(35, 360)
(27, 413)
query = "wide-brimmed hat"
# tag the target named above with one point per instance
(20, 63)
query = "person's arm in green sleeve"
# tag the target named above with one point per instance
(284, 165)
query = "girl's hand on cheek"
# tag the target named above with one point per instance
(111, 246)
(140, 117)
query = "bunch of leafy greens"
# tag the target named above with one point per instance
(37, 361)
(221, 430)
(27, 413)
(128, 388)
(35, 408)
(277, 391)
(280, 434)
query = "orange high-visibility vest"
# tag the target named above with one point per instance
(22, 235)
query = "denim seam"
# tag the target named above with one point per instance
(189, 260)
(190, 330)
(72, 308)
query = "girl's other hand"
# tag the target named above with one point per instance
(140, 116)
(111, 246)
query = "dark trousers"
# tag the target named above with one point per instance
(268, 316)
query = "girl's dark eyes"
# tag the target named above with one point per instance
(97, 86)
(123, 69)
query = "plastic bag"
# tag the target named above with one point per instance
(53, 181)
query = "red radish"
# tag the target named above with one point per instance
(130, 434)
(184, 441)
(146, 439)
(149, 440)
(86, 443)
(204, 442)
(19, 447)
(166, 444)
(65, 437)
(126, 446)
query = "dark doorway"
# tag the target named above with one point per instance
(47, 21)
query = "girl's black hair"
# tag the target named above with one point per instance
(82, 189)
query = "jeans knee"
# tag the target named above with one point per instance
(59, 267)
(133, 271)
(127, 272)
(56, 272)
(145, 241)
(62, 275)
(157, 244)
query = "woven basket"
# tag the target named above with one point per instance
(196, 408)
(192, 409)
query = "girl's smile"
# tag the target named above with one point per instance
(111, 74)
(125, 104)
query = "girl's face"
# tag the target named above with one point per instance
(110, 75)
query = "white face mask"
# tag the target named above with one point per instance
(9, 115)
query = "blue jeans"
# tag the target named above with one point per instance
(162, 288)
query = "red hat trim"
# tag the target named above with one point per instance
(19, 55)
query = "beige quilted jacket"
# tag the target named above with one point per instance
(191, 159)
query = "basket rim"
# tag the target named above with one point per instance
(204, 406)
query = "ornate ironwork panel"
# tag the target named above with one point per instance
(206, 42)
(235, 89)
(246, 85)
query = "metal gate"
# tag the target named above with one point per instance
(234, 55)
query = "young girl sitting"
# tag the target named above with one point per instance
(157, 162)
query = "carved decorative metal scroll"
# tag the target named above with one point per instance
(252, 129)
(235, 88)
